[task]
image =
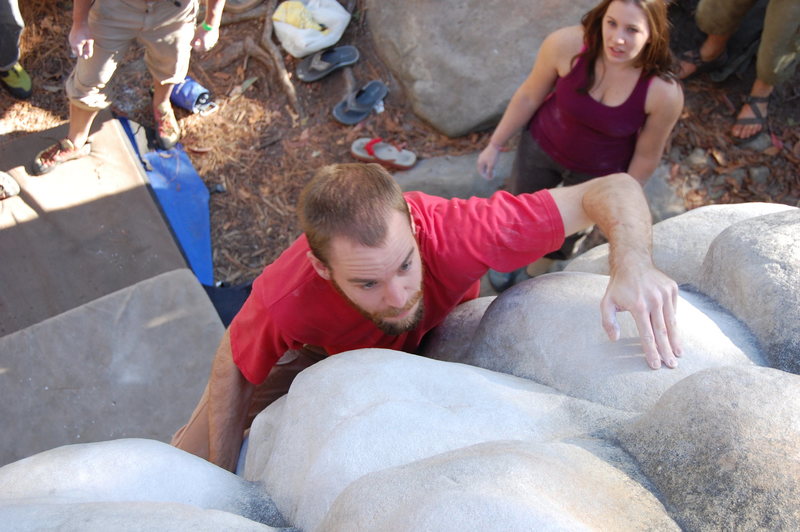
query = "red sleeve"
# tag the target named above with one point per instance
(503, 232)
(256, 339)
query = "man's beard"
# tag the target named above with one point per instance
(379, 318)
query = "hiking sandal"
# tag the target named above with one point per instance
(59, 153)
(759, 119)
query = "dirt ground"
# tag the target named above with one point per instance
(256, 152)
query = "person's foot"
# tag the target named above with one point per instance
(752, 118)
(8, 186)
(168, 132)
(61, 152)
(17, 82)
(693, 62)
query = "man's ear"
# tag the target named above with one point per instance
(411, 218)
(318, 266)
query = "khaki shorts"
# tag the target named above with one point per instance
(162, 27)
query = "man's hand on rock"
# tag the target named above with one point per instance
(651, 297)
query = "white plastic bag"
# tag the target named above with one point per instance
(302, 42)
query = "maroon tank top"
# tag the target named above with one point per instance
(585, 135)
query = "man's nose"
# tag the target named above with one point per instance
(396, 295)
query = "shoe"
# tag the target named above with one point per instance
(700, 66)
(8, 186)
(758, 117)
(359, 104)
(58, 153)
(322, 63)
(168, 132)
(17, 82)
(377, 151)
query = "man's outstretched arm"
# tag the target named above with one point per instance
(229, 395)
(617, 205)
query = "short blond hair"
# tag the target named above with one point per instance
(350, 200)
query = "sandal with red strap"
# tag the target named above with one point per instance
(377, 151)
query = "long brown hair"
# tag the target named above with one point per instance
(352, 200)
(655, 59)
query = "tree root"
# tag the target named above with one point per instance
(241, 7)
(266, 51)
(277, 59)
(233, 18)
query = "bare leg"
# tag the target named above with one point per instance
(167, 130)
(760, 90)
(80, 122)
(161, 94)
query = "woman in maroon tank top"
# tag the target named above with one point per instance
(602, 98)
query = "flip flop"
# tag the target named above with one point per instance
(8, 186)
(322, 63)
(358, 104)
(758, 119)
(377, 151)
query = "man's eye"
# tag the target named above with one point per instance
(405, 266)
(367, 286)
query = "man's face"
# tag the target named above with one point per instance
(383, 283)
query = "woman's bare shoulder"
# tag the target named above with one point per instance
(567, 40)
(665, 93)
(563, 45)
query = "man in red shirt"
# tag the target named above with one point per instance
(379, 268)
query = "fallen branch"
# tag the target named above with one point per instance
(277, 59)
(225, 56)
(233, 18)
(241, 7)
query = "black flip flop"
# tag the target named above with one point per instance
(322, 63)
(358, 104)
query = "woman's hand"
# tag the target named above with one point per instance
(487, 159)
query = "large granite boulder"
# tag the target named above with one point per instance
(753, 269)
(723, 448)
(680, 243)
(587, 365)
(384, 409)
(459, 62)
(140, 479)
(517, 485)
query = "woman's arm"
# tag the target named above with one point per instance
(663, 106)
(552, 61)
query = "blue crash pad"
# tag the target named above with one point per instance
(183, 198)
